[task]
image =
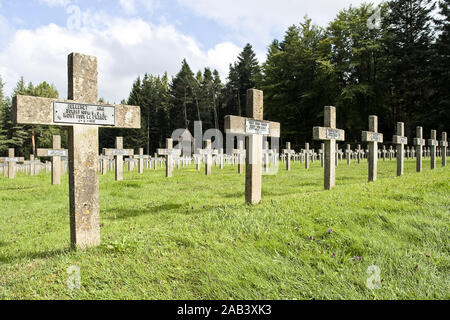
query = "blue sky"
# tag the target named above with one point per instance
(131, 37)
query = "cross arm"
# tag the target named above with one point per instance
(400, 140)
(118, 152)
(368, 136)
(245, 126)
(6, 159)
(321, 133)
(52, 153)
(167, 152)
(43, 111)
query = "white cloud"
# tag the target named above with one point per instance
(125, 48)
(55, 3)
(128, 6)
(258, 21)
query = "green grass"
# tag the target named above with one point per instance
(192, 236)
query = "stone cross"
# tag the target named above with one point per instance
(105, 162)
(141, 157)
(444, 146)
(170, 153)
(348, 154)
(118, 154)
(254, 128)
(56, 153)
(198, 161)
(288, 152)
(400, 140)
(240, 152)
(330, 135)
(434, 144)
(359, 153)
(419, 142)
(83, 115)
(307, 152)
(11, 161)
(208, 153)
(373, 138)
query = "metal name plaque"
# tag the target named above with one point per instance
(333, 134)
(119, 152)
(377, 137)
(419, 142)
(402, 140)
(57, 153)
(170, 152)
(11, 160)
(78, 113)
(257, 127)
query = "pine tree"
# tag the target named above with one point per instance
(248, 75)
(3, 120)
(441, 108)
(183, 111)
(409, 52)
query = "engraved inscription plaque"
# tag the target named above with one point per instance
(57, 153)
(377, 137)
(257, 127)
(77, 113)
(333, 134)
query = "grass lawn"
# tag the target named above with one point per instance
(192, 236)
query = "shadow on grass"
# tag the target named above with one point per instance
(34, 255)
(18, 188)
(122, 213)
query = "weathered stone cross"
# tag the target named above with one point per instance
(373, 138)
(288, 152)
(254, 128)
(83, 116)
(240, 152)
(434, 144)
(56, 153)
(307, 153)
(11, 161)
(170, 153)
(400, 140)
(348, 154)
(330, 135)
(118, 154)
(208, 153)
(444, 146)
(419, 142)
(141, 157)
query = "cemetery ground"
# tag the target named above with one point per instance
(192, 236)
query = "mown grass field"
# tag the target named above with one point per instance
(192, 236)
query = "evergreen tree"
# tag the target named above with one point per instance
(183, 110)
(440, 114)
(409, 53)
(297, 81)
(248, 75)
(3, 120)
(357, 59)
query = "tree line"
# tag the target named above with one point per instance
(396, 67)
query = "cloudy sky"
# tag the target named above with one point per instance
(131, 37)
